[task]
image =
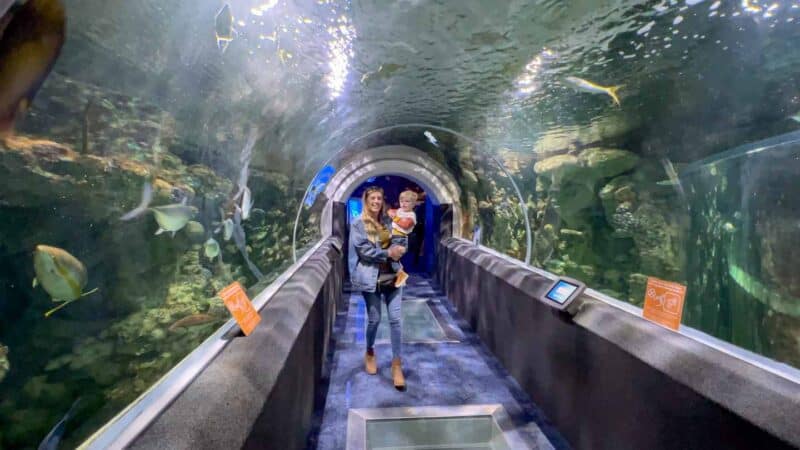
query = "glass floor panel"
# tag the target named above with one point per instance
(427, 428)
(419, 323)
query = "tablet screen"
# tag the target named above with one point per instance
(561, 291)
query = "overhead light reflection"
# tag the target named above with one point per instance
(528, 81)
(340, 50)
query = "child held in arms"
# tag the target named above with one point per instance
(403, 222)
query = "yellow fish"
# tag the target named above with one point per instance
(61, 275)
(31, 37)
(588, 86)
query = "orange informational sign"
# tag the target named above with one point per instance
(239, 305)
(663, 302)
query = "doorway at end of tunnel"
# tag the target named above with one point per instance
(419, 257)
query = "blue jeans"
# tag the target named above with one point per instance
(394, 298)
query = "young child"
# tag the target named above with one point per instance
(403, 222)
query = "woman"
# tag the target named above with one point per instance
(372, 274)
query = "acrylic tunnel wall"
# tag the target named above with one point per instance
(610, 142)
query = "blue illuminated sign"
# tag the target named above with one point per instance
(561, 291)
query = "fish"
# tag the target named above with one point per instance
(240, 239)
(588, 86)
(172, 218)
(147, 197)
(227, 229)
(211, 248)
(192, 321)
(247, 203)
(431, 138)
(4, 365)
(384, 71)
(61, 275)
(32, 34)
(673, 177)
(223, 27)
(53, 438)
(795, 117)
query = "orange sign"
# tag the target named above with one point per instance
(239, 305)
(663, 302)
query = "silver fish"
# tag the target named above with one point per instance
(588, 86)
(247, 203)
(227, 229)
(240, 240)
(795, 117)
(147, 197)
(211, 248)
(173, 217)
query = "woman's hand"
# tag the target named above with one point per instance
(396, 252)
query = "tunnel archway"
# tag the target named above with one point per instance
(399, 160)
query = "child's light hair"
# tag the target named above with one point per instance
(408, 195)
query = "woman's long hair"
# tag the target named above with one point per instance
(372, 226)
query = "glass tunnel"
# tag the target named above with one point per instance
(153, 153)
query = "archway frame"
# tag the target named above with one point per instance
(400, 160)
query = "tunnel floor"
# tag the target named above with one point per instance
(445, 364)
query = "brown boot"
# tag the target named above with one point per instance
(397, 375)
(369, 362)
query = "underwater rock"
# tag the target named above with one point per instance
(195, 232)
(654, 242)
(558, 168)
(779, 243)
(101, 188)
(112, 123)
(570, 202)
(607, 162)
(4, 364)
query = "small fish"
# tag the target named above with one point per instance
(431, 138)
(404, 45)
(728, 227)
(588, 86)
(192, 321)
(669, 168)
(147, 197)
(223, 27)
(240, 239)
(61, 275)
(4, 365)
(227, 229)
(795, 117)
(247, 203)
(384, 71)
(31, 36)
(173, 217)
(211, 248)
(53, 438)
